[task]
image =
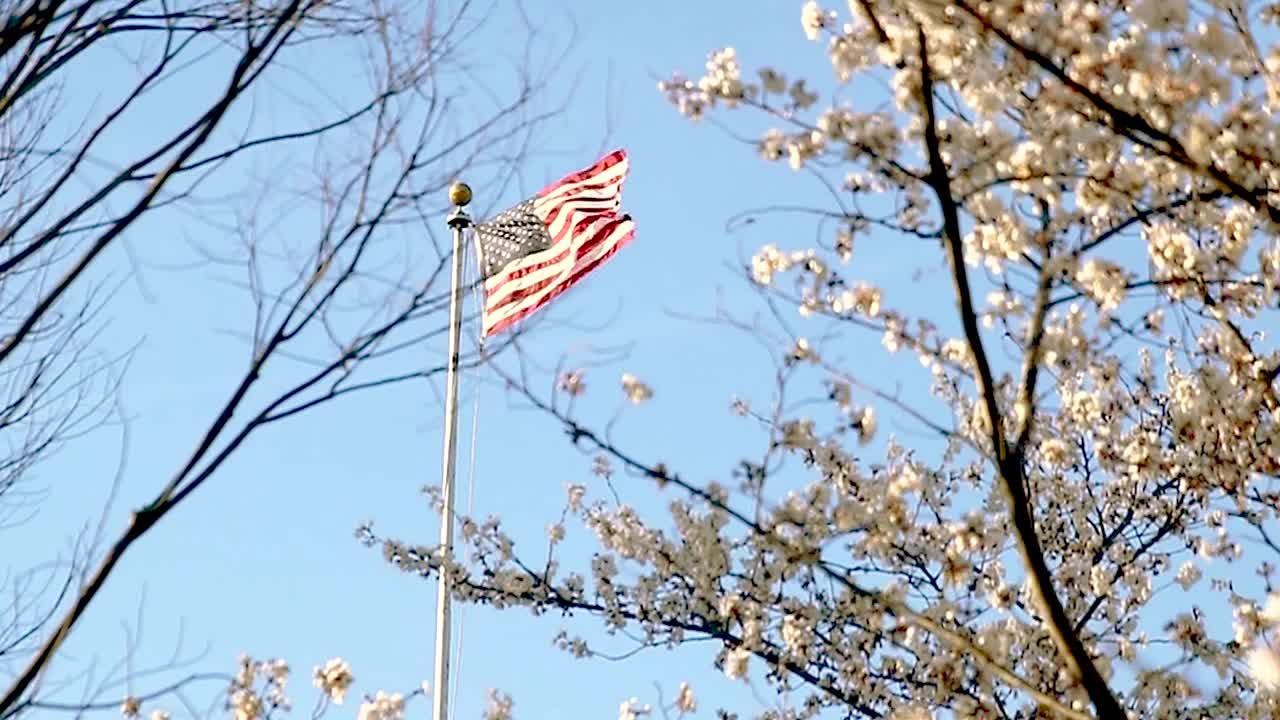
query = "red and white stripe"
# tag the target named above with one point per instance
(580, 212)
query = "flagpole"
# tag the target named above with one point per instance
(459, 221)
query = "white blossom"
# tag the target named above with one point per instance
(632, 710)
(573, 383)
(334, 679)
(499, 706)
(246, 705)
(685, 701)
(735, 663)
(813, 18)
(1188, 575)
(576, 493)
(635, 390)
(382, 706)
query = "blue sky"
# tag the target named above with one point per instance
(263, 559)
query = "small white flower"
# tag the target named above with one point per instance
(1100, 580)
(499, 707)
(246, 672)
(636, 391)
(798, 435)
(246, 705)
(1104, 281)
(772, 81)
(601, 467)
(685, 701)
(632, 710)
(576, 493)
(795, 635)
(813, 18)
(573, 383)
(803, 351)
(911, 712)
(867, 425)
(334, 679)
(1189, 575)
(1055, 452)
(735, 663)
(383, 706)
(555, 531)
(846, 515)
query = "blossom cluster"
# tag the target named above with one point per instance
(259, 689)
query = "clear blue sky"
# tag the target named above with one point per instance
(263, 560)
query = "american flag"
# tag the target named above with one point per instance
(533, 252)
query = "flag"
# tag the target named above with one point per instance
(533, 252)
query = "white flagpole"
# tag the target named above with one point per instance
(459, 195)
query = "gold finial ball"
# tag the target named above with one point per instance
(459, 194)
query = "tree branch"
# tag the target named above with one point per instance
(1009, 466)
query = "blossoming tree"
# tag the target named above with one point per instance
(1102, 181)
